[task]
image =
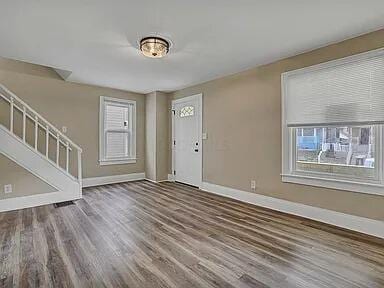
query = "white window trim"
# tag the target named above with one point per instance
(318, 179)
(126, 160)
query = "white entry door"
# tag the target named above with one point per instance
(187, 145)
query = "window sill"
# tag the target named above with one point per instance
(361, 187)
(117, 162)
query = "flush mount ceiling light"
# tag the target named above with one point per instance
(154, 47)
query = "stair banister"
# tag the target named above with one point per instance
(50, 130)
(40, 117)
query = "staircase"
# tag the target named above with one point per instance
(36, 145)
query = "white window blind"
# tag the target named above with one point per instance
(117, 130)
(117, 145)
(345, 91)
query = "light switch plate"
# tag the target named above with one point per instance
(8, 188)
(253, 184)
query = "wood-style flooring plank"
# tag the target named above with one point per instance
(142, 234)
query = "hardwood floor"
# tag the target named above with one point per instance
(141, 234)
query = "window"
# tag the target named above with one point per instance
(309, 132)
(187, 111)
(348, 151)
(332, 124)
(117, 131)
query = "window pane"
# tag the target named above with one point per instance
(187, 111)
(116, 117)
(299, 131)
(117, 145)
(308, 131)
(337, 150)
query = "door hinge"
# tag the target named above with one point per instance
(174, 172)
(174, 142)
(173, 111)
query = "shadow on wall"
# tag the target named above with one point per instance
(23, 182)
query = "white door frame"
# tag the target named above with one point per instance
(200, 128)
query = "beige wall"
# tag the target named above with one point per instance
(150, 136)
(23, 182)
(242, 117)
(162, 107)
(156, 147)
(75, 106)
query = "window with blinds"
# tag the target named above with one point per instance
(332, 124)
(117, 131)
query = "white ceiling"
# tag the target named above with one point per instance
(97, 39)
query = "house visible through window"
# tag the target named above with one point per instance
(344, 151)
(333, 124)
(117, 131)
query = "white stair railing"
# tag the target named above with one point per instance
(15, 103)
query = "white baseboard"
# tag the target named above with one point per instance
(351, 222)
(37, 200)
(153, 181)
(97, 181)
(171, 177)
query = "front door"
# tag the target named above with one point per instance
(187, 146)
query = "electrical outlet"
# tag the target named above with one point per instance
(8, 188)
(253, 185)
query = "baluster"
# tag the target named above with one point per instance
(67, 158)
(11, 116)
(36, 130)
(57, 149)
(46, 141)
(79, 172)
(24, 121)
